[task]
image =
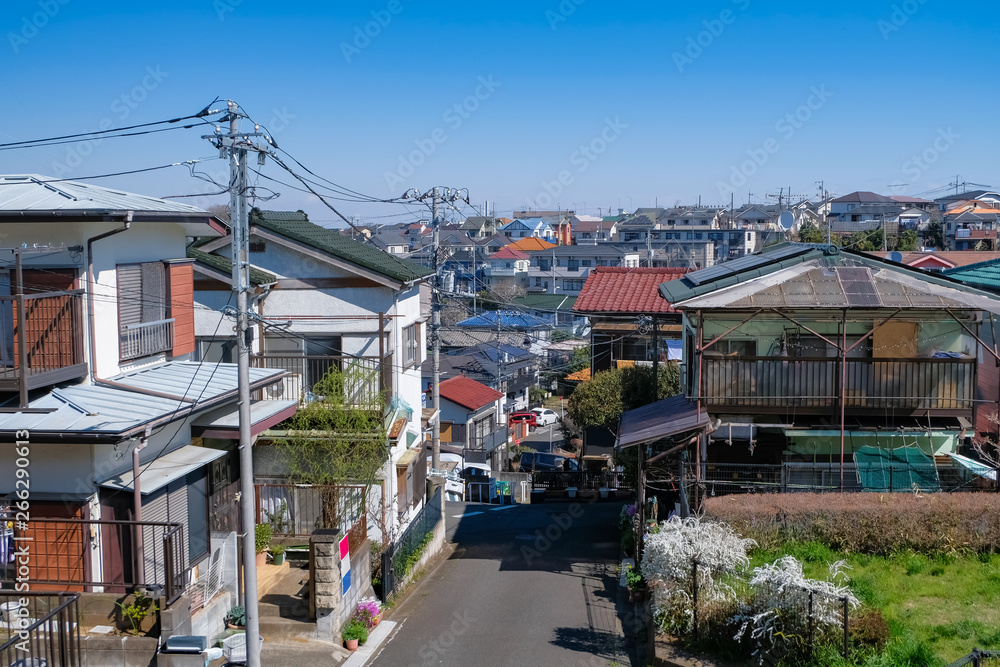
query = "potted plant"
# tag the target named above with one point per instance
(369, 612)
(636, 584)
(236, 618)
(262, 538)
(138, 615)
(278, 553)
(353, 633)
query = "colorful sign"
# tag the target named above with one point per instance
(345, 565)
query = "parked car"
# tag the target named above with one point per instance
(528, 416)
(545, 416)
(543, 462)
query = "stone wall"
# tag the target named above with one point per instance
(327, 604)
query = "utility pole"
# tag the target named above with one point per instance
(238, 145)
(450, 196)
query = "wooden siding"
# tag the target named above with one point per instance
(181, 296)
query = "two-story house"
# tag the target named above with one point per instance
(971, 226)
(325, 301)
(588, 229)
(506, 267)
(509, 369)
(564, 269)
(127, 446)
(473, 420)
(828, 369)
(528, 228)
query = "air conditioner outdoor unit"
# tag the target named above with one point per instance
(289, 389)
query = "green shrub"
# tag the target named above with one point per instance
(869, 523)
(262, 536)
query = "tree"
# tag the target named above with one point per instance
(934, 236)
(908, 240)
(579, 360)
(810, 233)
(337, 439)
(602, 400)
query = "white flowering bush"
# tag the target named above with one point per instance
(668, 555)
(774, 618)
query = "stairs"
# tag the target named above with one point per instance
(284, 604)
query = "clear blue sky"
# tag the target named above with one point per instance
(691, 100)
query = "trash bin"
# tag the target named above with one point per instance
(183, 651)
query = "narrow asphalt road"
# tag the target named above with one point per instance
(527, 585)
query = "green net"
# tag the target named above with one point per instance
(897, 469)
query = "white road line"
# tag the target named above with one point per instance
(459, 516)
(505, 507)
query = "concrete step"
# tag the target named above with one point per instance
(299, 611)
(277, 628)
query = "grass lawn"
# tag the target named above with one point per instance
(939, 607)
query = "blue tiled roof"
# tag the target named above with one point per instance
(508, 319)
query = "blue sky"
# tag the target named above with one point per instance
(581, 104)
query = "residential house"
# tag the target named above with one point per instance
(509, 369)
(493, 244)
(629, 321)
(528, 228)
(522, 215)
(530, 243)
(826, 369)
(934, 260)
(131, 444)
(481, 227)
(506, 267)
(849, 202)
(324, 301)
(473, 421)
(971, 225)
(986, 197)
(555, 309)
(588, 230)
(564, 269)
(535, 333)
(925, 205)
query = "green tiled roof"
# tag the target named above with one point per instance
(985, 275)
(546, 301)
(295, 225)
(257, 277)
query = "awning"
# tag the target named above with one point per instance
(263, 415)
(826, 442)
(161, 471)
(408, 457)
(978, 468)
(659, 420)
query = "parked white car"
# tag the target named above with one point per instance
(545, 416)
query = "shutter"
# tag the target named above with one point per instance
(154, 510)
(153, 292)
(177, 506)
(129, 295)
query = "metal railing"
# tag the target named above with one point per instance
(409, 547)
(978, 658)
(489, 441)
(366, 379)
(803, 383)
(45, 631)
(556, 480)
(141, 340)
(297, 510)
(90, 555)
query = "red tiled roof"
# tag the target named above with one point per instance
(625, 290)
(509, 253)
(468, 393)
(530, 243)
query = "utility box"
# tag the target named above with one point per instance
(183, 651)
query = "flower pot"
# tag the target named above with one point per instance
(376, 620)
(278, 559)
(261, 559)
(604, 491)
(571, 491)
(351, 644)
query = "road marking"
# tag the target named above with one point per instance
(505, 507)
(459, 516)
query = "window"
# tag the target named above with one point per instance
(538, 282)
(481, 429)
(573, 264)
(411, 345)
(544, 264)
(143, 326)
(697, 236)
(573, 285)
(258, 246)
(690, 236)
(508, 265)
(214, 350)
(584, 262)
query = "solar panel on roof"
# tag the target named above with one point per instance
(748, 263)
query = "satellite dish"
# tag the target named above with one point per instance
(786, 220)
(895, 257)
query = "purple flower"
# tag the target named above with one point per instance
(631, 509)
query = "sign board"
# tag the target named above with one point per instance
(345, 565)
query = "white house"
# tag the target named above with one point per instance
(323, 301)
(103, 385)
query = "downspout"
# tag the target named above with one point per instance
(90, 290)
(137, 508)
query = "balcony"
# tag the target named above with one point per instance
(489, 441)
(813, 385)
(142, 340)
(83, 555)
(367, 380)
(51, 351)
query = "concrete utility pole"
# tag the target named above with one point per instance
(436, 195)
(238, 146)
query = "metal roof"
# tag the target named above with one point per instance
(660, 420)
(99, 410)
(31, 192)
(985, 275)
(164, 469)
(508, 319)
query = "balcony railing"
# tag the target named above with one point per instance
(489, 441)
(52, 343)
(296, 510)
(142, 340)
(814, 384)
(39, 629)
(83, 555)
(366, 380)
